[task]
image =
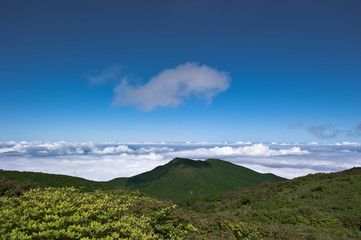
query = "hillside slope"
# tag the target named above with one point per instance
(316, 206)
(55, 180)
(183, 178)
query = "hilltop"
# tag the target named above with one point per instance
(55, 180)
(183, 178)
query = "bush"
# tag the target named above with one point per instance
(66, 213)
(12, 188)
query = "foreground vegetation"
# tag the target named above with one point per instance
(66, 213)
(318, 206)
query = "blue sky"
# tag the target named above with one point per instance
(285, 71)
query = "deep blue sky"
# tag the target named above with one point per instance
(295, 69)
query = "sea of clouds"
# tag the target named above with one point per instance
(107, 160)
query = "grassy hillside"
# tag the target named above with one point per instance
(182, 179)
(317, 206)
(55, 180)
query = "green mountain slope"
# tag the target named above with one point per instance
(317, 206)
(55, 180)
(182, 179)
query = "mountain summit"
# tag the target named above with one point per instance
(184, 178)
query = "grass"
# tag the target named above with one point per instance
(317, 206)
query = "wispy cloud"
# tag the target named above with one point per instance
(356, 131)
(105, 161)
(296, 125)
(111, 73)
(171, 86)
(325, 131)
(322, 131)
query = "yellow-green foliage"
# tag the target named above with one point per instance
(65, 213)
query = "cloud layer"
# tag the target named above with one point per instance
(172, 86)
(105, 161)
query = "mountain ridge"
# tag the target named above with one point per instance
(55, 180)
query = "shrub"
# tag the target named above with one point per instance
(66, 213)
(9, 187)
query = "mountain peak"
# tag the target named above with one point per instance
(184, 178)
(186, 162)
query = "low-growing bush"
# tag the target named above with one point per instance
(66, 213)
(9, 187)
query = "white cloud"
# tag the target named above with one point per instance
(63, 148)
(243, 143)
(260, 150)
(347, 143)
(171, 86)
(113, 150)
(15, 148)
(284, 172)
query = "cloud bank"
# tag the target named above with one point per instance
(172, 86)
(105, 161)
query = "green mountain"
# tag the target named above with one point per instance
(55, 180)
(182, 179)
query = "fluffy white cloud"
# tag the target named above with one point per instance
(171, 86)
(113, 150)
(62, 148)
(260, 150)
(243, 143)
(347, 143)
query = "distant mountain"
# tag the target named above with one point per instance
(183, 178)
(55, 180)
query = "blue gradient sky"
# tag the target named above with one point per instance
(294, 68)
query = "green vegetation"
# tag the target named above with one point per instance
(184, 179)
(9, 187)
(317, 206)
(55, 180)
(66, 213)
